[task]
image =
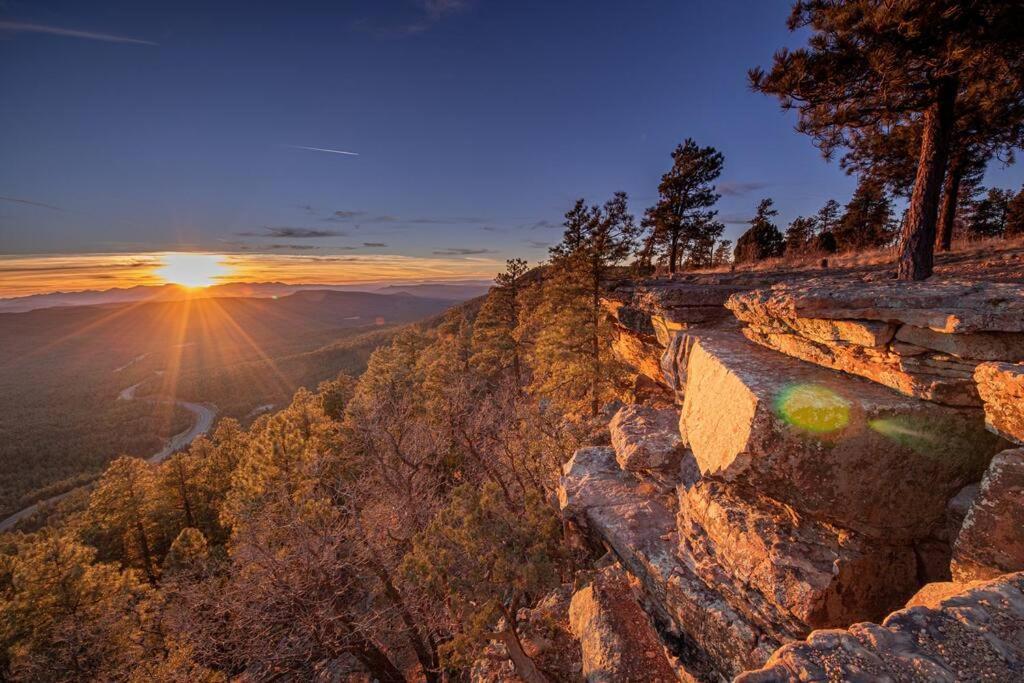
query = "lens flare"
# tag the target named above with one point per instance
(192, 270)
(908, 432)
(813, 408)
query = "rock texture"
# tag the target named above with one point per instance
(921, 339)
(991, 540)
(1001, 386)
(645, 437)
(826, 444)
(618, 641)
(973, 636)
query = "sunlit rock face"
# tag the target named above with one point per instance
(1001, 386)
(645, 437)
(991, 539)
(921, 339)
(972, 635)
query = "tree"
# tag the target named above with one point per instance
(867, 221)
(871, 64)
(763, 239)
(800, 236)
(723, 253)
(497, 344)
(487, 561)
(989, 214)
(1015, 215)
(681, 220)
(571, 354)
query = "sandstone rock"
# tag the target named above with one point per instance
(838, 448)
(896, 371)
(812, 574)
(665, 329)
(673, 362)
(640, 353)
(1001, 386)
(973, 636)
(1000, 346)
(950, 307)
(991, 540)
(957, 508)
(645, 437)
(638, 525)
(617, 639)
(934, 594)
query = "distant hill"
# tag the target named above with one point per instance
(458, 291)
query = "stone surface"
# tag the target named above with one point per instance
(811, 574)
(1001, 346)
(617, 639)
(951, 306)
(640, 353)
(957, 508)
(638, 524)
(933, 594)
(1001, 387)
(838, 448)
(991, 540)
(645, 437)
(975, 635)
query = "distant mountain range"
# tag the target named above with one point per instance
(447, 291)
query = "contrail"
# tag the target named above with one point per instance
(22, 27)
(322, 149)
(18, 200)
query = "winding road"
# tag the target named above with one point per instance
(204, 416)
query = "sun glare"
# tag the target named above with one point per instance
(192, 270)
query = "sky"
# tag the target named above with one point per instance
(132, 129)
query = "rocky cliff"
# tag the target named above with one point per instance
(816, 456)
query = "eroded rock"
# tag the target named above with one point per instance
(991, 540)
(1001, 386)
(645, 437)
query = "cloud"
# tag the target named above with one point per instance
(324, 149)
(366, 218)
(735, 219)
(430, 12)
(29, 202)
(540, 225)
(374, 244)
(292, 233)
(738, 189)
(25, 27)
(461, 251)
(537, 244)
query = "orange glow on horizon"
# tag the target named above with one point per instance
(192, 270)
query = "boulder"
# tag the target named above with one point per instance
(616, 636)
(991, 540)
(1001, 387)
(950, 307)
(641, 354)
(1000, 346)
(838, 448)
(975, 635)
(645, 437)
(812, 574)
(957, 508)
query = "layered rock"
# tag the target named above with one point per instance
(921, 339)
(1001, 386)
(616, 636)
(839, 449)
(991, 540)
(974, 635)
(645, 437)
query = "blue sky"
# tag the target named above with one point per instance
(476, 122)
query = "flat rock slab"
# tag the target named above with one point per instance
(645, 437)
(976, 635)
(1001, 387)
(812, 574)
(638, 524)
(997, 346)
(991, 540)
(950, 306)
(618, 640)
(839, 448)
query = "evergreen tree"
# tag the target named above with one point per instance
(763, 239)
(1015, 215)
(989, 214)
(682, 222)
(872, 63)
(800, 236)
(867, 222)
(497, 343)
(723, 254)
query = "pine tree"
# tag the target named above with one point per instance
(497, 343)
(800, 236)
(867, 221)
(723, 254)
(1015, 215)
(763, 239)
(872, 63)
(989, 214)
(682, 222)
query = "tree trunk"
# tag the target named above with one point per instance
(377, 663)
(524, 666)
(950, 198)
(595, 344)
(673, 253)
(147, 561)
(917, 243)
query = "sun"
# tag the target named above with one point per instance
(192, 270)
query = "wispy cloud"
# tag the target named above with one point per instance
(324, 149)
(430, 12)
(735, 188)
(374, 244)
(292, 233)
(537, 244)
(734, 219)
(541, 225)
(460, 251)
(26, 27)
(365, 218)
(29, 202)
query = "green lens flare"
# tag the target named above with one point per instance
(813, 408)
